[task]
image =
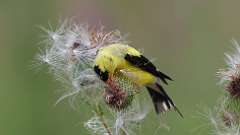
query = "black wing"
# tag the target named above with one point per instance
(146, 65)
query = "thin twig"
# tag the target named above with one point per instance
(99, 113)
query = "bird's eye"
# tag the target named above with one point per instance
(97, 51)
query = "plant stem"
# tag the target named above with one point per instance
(123, 132)
(99, 113)
(105, 125)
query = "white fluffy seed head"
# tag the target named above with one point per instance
(70, 50)
(223, 119)
(95, 126)
(128, 120)
(122, 122)
(233, 63)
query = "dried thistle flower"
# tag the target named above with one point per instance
(230, 118)
(232, 61)
(231, 74)
(234, 87)
(121, 91)
(226, 116)
(117, 99)
(69, 52)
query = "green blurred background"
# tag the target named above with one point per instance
(187, 38)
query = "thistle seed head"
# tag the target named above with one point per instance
(117, 99)
(233, 87)
(230, 118)
(120, 91)
(70, 50)
(231, 74)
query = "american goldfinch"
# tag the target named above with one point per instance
(122, 58)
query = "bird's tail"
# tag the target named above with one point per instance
(162, 102)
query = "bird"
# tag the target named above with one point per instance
(133, 64)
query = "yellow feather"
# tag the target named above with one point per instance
(111, 59)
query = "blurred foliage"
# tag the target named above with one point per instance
(186, 38)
